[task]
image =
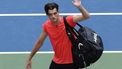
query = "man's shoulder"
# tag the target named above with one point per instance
(68, 17)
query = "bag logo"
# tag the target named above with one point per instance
(79, 45)
(95, 37)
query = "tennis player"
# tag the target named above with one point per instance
(54, 28)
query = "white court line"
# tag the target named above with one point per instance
(40, 52)
(43, 14)
(49, 52)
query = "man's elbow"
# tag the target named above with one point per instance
(87, 16)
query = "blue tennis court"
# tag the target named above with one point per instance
(21, 22)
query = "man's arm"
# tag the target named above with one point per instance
(37, 46)
(84, 13)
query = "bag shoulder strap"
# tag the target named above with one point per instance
(66, 23)
(70, 28)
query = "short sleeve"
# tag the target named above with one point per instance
(70, 20)
(44, 27)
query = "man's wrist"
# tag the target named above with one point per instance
(80, 7)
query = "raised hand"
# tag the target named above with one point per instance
(76, 3)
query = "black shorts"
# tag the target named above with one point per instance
(54, 65)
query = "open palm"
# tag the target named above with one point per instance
(76, 3)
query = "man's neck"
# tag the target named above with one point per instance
(57, 22)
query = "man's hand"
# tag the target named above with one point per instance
(29, 64)
(76, 3)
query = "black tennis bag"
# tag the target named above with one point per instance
(87, 45)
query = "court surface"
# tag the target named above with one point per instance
(21, 24)
(42, 61)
